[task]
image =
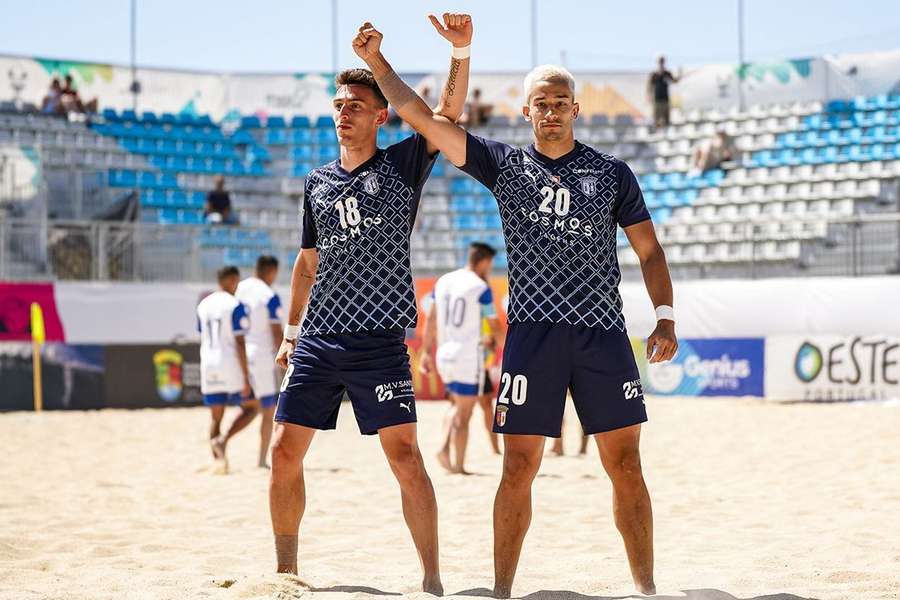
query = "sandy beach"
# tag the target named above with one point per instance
(750, 499)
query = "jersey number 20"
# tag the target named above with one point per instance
(563, 199)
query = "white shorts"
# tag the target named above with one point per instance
(461, 367)
(262, 376)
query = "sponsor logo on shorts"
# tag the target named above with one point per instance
(407, 406)
(395, 389)
(632, 389)
(501, 415)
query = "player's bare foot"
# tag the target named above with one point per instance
(221, 462)
(460, 471)
(433, 586)
(263, 465)
(502, 592)
(443, 458)
(648, 589)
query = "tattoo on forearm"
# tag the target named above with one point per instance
(450, 88)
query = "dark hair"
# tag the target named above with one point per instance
(478, 251)
(228, 271)
(266, 262)
(362, 77)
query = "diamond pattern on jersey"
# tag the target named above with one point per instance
(364, 281)
(562, 269)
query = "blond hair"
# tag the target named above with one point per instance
(551, 73)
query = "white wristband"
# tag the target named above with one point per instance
(291, 331)
(665, 311)
(461, 53)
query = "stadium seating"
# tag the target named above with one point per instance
(801, 168)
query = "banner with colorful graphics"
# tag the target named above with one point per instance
(832, 368)
(15, 311)
(706, 367)
(226, 96)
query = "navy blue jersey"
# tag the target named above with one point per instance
(559, 219)
(360, 222)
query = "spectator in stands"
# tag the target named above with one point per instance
(218, 204)
(712, 152)
(52, 104)
(477, 112)
(72, 102)
(658, 92)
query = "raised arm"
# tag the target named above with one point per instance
(440, 131)
(302, 278)
(456, 29)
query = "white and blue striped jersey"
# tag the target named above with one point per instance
(559, 220)
(264, 309)
(220, 317)
(462, 299)
(360, 222)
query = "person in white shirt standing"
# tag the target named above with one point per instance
(224, 373)
(462, 299)
(263, 339)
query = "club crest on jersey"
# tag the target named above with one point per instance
(370, 184)
(501, 415)
(589, 186)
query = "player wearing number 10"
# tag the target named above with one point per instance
(353, 277)
(561, 203)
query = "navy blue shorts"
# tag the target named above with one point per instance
(543, 360)
(371, 367)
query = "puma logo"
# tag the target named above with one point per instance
(406, 406)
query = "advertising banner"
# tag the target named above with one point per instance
(832, 368)
(153, 376)
(706, 367)
(15, 311)
(72, 376)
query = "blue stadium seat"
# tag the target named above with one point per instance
(148, 116)
(326, 135)
(467, 221)
(299, 121)
(324, 122)
(275, 122)
(493, 221)
(500, 261)
(111, 115)
(277, 137)
(250, 122)
(129, 115)
(242, 137)
(463, 204)
(301, 153)
(302, 136)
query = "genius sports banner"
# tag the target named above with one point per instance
(830, 368)
(706, 367)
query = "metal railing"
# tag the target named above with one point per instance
(115, 251)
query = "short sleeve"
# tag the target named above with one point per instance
(308, 233)
(239, 320)
(484, 158)
(274, 307)
(486, 300)
(410, 157)
(630, 207)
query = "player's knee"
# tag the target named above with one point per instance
(406, 461)
(285, 457)
(519, 467)
(625, 467)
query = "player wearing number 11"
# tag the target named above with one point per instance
(561, 203)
